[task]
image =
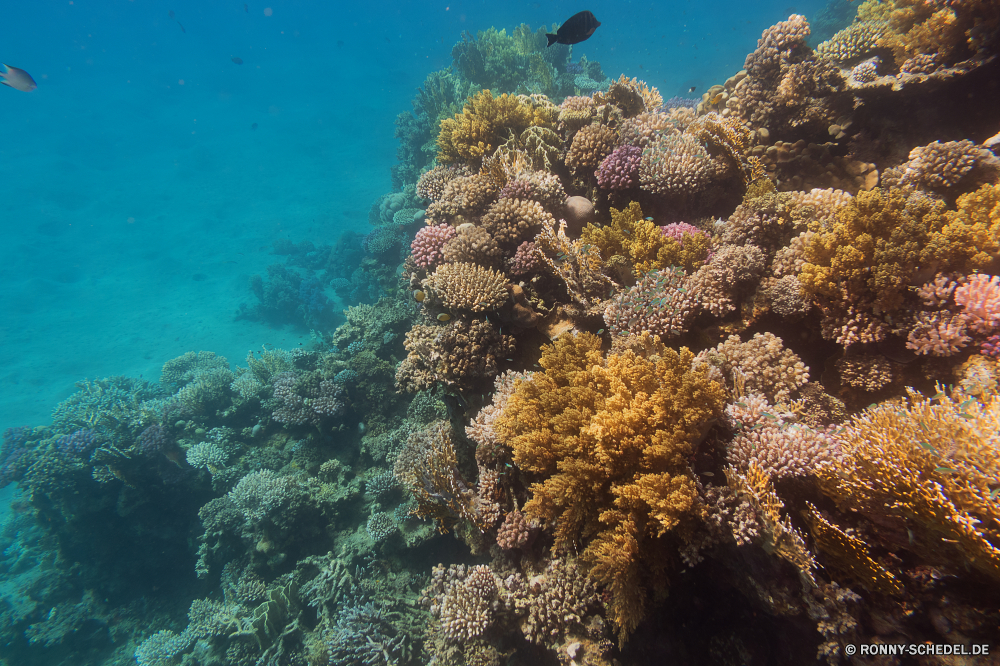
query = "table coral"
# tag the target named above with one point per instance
(928, 469)
(607, 442)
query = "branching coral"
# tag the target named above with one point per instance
(762, 364)
(428, 467)
(950, 166)
(608, 440)
(512, 221)
(590, 145)
(658, 303)
(928, 467)
(484, 124)
(467, 286)
(646, 246)
(463, 354)
(576, 262)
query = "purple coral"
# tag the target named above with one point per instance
(154, 439)
(78, 443)
(991, 347)
(620, 169)
(527, 258)
(426, 246)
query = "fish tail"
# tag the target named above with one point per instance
(552, 39)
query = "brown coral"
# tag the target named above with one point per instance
(467, 286)
(607, 440)
(590, 145)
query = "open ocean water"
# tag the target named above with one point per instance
(171, 158)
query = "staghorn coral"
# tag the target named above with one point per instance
(658, 303)
(512, 221)
(428, 242)
(484, 124)
(590, 145)
(427, 467)
(606, 441)
(938, 334)
(761, 364)
(773, 440)
(950, 167)
(927, 468)
(467, 286)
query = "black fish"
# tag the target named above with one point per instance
(245, 8)
(182, 28)
(576, 29)
(253, 127)
(692, 89)
(236, 59)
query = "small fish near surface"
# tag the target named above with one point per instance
(576, 29)
(236, 59)
(18, 79)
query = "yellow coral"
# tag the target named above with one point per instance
(484, 123)
(642, 242)
(607, 441)
(930, 467)
(872, 248)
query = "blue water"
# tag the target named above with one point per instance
(133, 166)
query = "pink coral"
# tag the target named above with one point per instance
(938, 334)
(426, 246)
(980, 302)
(677, 230)
(620, 169)
(526, 259)
(991, 347)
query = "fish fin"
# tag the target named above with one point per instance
(552, 39)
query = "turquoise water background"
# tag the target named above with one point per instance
(137, 198)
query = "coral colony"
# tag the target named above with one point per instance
(652, 383)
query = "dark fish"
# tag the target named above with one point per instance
(245, 8)
(692, 89)
(170, 13)
(18, 79)
(340, 43)
(182, 28)
(576, 29)
(236, 59)
(253, 127)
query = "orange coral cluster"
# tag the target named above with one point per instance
(608, 441)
